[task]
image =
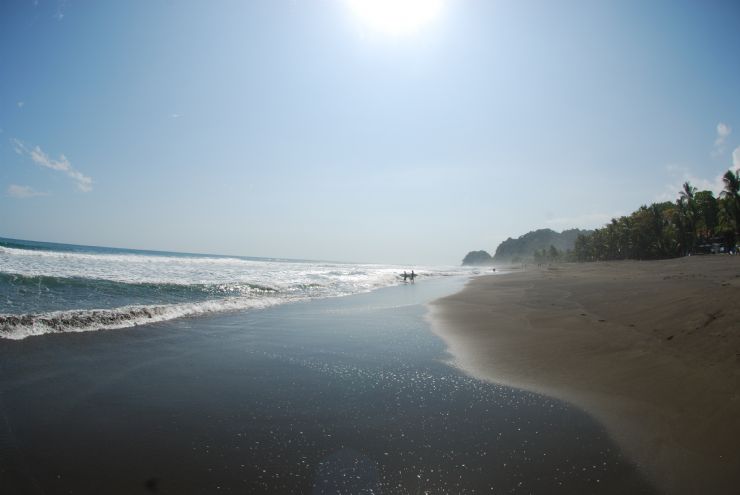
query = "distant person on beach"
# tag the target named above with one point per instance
(404, 275)
(412, 276)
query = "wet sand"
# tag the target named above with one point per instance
(347, 395)
(651, 349)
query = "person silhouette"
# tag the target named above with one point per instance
(405, 275)
(412, 276)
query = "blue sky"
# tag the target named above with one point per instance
(297, 129)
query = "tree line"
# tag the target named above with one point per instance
(691, 224)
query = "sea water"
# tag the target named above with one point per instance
(50, 287)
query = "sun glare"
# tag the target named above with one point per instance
(396, 17)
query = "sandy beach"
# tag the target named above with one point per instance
(650, 349)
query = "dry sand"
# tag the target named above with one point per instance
(651, 349)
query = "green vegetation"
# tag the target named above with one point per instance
(695, 223)
(551, 255)
(477, 258)
(540, 245)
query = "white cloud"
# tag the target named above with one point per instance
(175, 116)
(84, 183)
(17, 146)
(723, 131)
(20, 104)
(680, 174)
(61, 6)
(23, 192)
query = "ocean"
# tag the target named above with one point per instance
(51, 287)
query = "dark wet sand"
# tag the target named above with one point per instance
(652, 349)
(346, 395)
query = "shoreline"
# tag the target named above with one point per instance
(650, 349)
(336, 395)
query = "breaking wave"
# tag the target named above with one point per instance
(51, 288)
(17, 327)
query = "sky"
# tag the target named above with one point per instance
(328, 130)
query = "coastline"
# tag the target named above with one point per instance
(338, 395)
(648, 348)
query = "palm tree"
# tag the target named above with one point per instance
(732, 183)
(625, 226)
(680, 220)
(732, 193)
(688, 191)
(706, 214)
(612, 241)
(689, 212)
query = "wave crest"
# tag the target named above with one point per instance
(17, 327)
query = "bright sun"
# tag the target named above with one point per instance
(396, 17)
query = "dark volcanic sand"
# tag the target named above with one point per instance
(345, 395)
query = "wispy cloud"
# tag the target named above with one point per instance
(175, 115)
(723, 131)
(736, 158)
(84, 183)
(61, 5)
(23, 192)
(20, 103)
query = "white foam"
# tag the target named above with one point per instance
(282, 280)
(18, 327)
(320, 278)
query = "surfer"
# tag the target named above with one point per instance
(412, 276)
(405, 275)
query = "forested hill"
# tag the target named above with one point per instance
(526, 245)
